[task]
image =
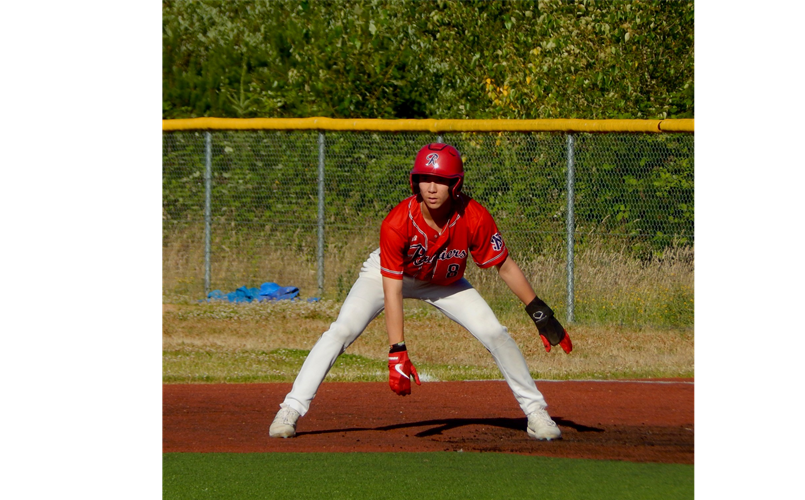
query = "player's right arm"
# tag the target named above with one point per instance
(393, 245)
(400, 367)
(392, 254)
(393, 301)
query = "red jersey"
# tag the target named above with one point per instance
(408, 246)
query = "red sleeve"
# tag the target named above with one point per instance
(486, 246)
(392, 249)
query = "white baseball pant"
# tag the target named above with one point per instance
(458, 301)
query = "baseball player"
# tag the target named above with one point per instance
(425, 242)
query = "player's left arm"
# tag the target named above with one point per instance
(550, 330)
(513, 276)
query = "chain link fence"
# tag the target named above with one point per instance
(304, 208)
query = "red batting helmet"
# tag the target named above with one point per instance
(441, 160)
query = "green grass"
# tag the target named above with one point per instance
(268, 342)
(416, 475)
(281, 365)
(261, 366)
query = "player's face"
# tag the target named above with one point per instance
(435, 191)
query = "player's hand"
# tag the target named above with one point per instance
(565, 343)
(550, 330)
(400, 370)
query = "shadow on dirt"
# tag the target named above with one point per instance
(438, 426)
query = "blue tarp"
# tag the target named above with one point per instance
(267, 291)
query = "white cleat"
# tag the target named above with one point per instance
(540, 426)
(284, 424)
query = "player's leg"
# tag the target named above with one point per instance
(464, 305)
(363, 303)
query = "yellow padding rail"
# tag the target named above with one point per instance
(434, 126)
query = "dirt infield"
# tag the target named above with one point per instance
(641, 421)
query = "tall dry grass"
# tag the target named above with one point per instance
(286, 257)
(612, 287)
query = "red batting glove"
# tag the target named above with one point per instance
(565, 344)
(400, 370)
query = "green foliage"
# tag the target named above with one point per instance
(414, 59)
(636, 186)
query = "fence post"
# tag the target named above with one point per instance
(570, 226)
(320, 217)
(207, 210)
